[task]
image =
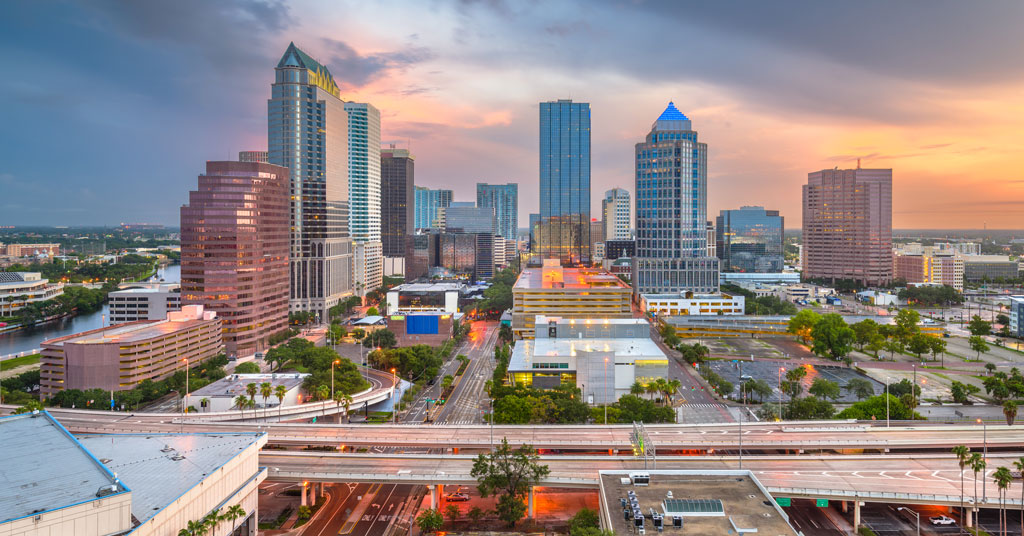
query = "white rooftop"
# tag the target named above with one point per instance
(233, 385)
(149, 289)
(427, 287)
(527, 351)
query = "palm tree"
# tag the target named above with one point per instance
(977, 464)
(637, 388)
(251, 390)
(196, 528)
(1003, 477)
(1010, 411)
(323, 393)
(962, 453)
(651, 388)
(205, 403)
(346, 401)
(266, 390)
(241, 402)
(1019, 464)
(280, 391)
(673, 387)
(233, 514)
(213, 519)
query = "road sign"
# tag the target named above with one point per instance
(822, 503)
(783, 501)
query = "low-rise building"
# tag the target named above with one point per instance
(601, 356)
(742, 278)
(424, 327)
(30, 250)
(578, 293)
(803, 292)
(982, 268)
(915, 263)
(220, 395)
(425, 297)
(879, 298)
(1017, 316)
(119, 357)
(145, 485)
(150, 302)
(18, 289)
(689, 303)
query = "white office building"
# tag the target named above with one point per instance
(150, 302)
(616, 215)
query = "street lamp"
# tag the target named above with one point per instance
(335, 362)
(606, 390)
(916, 516)
(781, 370)
(394, 408)
(887, 401)
(984, 456)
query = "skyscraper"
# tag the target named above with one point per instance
(749, 239)
(505, 200)
(364, 195)
(565, 182)
(307, 132)
(234, 251)
(427, 203)
(615, 214)
(671, 210)
(252, 156)
(465, 218)
(847, 225)
(397, 204)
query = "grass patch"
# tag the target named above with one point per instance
(864, 531)
(19, 362)
(943, 376)
(276, 523)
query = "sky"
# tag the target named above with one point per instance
(109, 109)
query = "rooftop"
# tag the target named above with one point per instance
(525, 352)
(141, 330)
(19, 277)
(427, 287)
(672, 113)
(711, 502)
(688, 296)
(148, 463)
(234, 384)
(149, 289)
(45, 467)
(557, 277)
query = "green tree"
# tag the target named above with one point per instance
(875, 345)
(241, 402)
(919, 344)
(864, 332)
(430, 520)
(875, 408)
(963, 454)
(1003, 477)
(447, 381)
(906, 325)
(381, 338)
(233, 514)
(937, 346)
(372, 311)
(1010, 411)
(505, 333)
(280, 391)
(977, 464)
(509, 473)
(978, 344)
(247, 368)
(802, 323)
(809, 408)
(823, 389)
(832, 337)
(960, 392)
(266, 391)
(1002, 319)
(29, 407)
(979, 327)
(453, 513)
(251, 389)
(583, 520)
(475, 514)
(860, 388)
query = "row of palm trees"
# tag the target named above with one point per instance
(209, 524)
(266, 390)
(1002, 477)
(661, 386)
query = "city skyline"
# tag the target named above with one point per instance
(446, 86)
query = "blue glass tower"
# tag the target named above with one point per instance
(750, 240)
(505, 200)
(671, 210)
(564, 182)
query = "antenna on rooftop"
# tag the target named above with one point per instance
(858, 163)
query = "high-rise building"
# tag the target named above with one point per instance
(671, 210)
(465, 218)
(564, 182)
(307, 132)
(234, 251)
(928, 264)
(427, 203)
(397, 203)
(750, 240)
(615, 214)
(534, 220)
(847, 225)
(364, 194)
(505, 200)
(253, 156)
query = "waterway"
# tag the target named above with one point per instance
(23, 340)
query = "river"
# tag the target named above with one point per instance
(29, 339)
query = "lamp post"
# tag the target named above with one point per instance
(335, 362)
(984, 456)
(781, 370)
(394, 409)
(606, 390)
(917, 516)
(887, 401)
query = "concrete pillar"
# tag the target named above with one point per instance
(455, 450)
(611, 452)
(433, 497)
(529, 504)
(856, 515)
(970, 517)
(846, 507)
(323, 491)
(303, 494)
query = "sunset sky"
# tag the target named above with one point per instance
(109, 109)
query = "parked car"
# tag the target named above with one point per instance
(456, 497)
(941, 520)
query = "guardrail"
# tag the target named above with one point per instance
(873, 496)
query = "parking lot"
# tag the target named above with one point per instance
(734, 372)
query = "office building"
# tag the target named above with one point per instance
(427, 204)
(364, 196)
(368, 267)
(307, 132)
(564, 182)
(688, 303)
(421, 254)
(712, 250)
(847, 225)
(465, 218)
(149, 302)
(534, 220)
(261, 157)
(618, 249)
(927, 264)
(30, 250)
(749, 239)
(1017, 316)
(19, 289)
(602, 357)
(120, 357)
(397, 200)
(504, 198)
(615, 214)
(964, 248)
(596, 236)
(234, 251)
(989, 268)
(143, 485)
(671, 210)
(575, 293)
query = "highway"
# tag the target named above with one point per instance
(358, 509)
(927, 479)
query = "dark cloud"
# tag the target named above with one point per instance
(352, 69)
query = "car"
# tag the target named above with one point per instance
(941, 520)
(456, 497)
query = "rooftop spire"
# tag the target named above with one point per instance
(672, 113)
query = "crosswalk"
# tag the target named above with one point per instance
(703, 406)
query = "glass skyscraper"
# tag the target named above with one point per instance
(671, 210)
(397, 200)
(307, 132)
(750, 240)
(364, 195)
(505, 200)
(564, 182)
(427, 202)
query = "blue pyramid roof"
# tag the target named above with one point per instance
(672, 114)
